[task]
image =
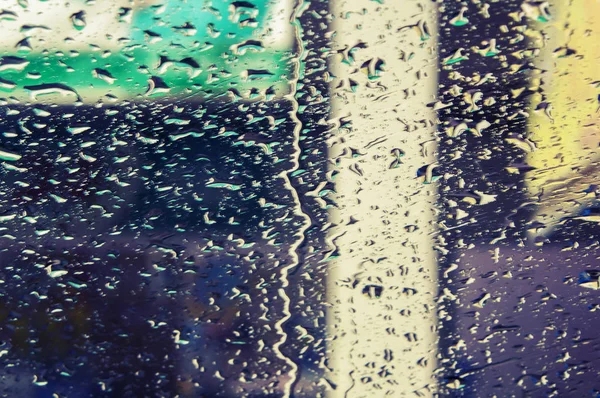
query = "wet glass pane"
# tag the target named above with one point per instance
(152, 158)
(281, 198)
(518, 148)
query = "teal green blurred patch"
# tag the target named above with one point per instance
(177, 49)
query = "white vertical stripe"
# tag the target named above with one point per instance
(385, 217)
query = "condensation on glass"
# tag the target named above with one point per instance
(291, 198)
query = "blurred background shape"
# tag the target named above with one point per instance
(111, 51)
(563, 124)
(382, 273)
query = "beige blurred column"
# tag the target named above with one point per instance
(382, 276)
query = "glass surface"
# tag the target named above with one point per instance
(284, 198)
